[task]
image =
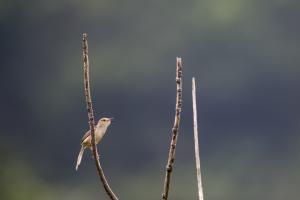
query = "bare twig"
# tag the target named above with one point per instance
(87, 93)
(175, 129)
(197, 154)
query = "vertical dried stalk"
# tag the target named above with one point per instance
(175, 129)
(197, 154)
(88, 99)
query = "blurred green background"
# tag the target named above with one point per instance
(244, 55)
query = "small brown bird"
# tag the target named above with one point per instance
(86, 140)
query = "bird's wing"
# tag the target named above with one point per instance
(87, 134)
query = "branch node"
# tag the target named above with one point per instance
(169, 168)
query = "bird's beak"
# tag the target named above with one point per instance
(111, 119)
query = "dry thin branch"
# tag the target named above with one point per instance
(197, 154)
(175, 129)
(88, 99)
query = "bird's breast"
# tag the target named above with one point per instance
(100, 132)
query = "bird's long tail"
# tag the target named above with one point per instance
(80, 157)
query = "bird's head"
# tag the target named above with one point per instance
(105, 121)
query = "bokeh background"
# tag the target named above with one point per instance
(244, 55)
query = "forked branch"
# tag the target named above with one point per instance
(90, 111)
(197, 154)
(175, 130)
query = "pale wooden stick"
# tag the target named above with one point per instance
(90, 111)
(175, 129)
(197, 154)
